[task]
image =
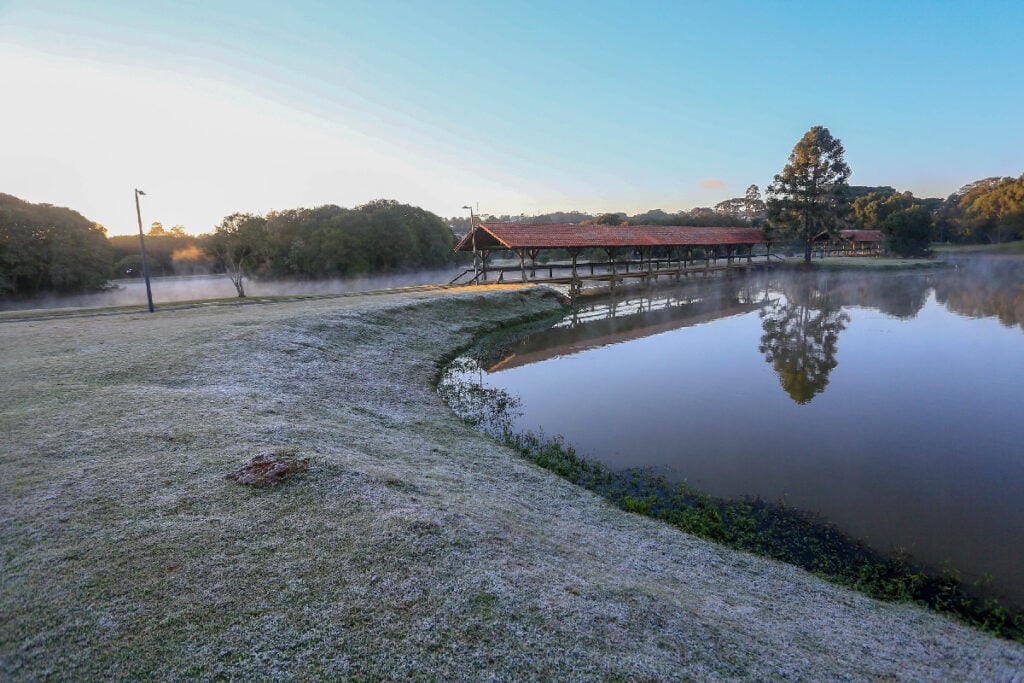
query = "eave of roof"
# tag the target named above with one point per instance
(574, 235)
(853, 235)
(862, 235)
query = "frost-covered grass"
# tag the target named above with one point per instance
(412, 547)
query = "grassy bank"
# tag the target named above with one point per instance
(860, 263)
(1016, 247)
(772, 530)
(412, 547)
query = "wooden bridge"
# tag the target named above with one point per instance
(631, 251)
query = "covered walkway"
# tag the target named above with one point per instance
(575, 252)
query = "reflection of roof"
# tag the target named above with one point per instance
(565, 341)
(561, 235)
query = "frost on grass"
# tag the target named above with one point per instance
(270, 468)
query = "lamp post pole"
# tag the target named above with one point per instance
(472, 238)
(142, 243)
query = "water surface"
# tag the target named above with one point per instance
(169, 289)
(890, 403)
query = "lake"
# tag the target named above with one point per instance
(170, 289)
(890, 403)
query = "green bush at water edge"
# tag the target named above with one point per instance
(777, 532)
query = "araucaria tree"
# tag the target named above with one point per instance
(809, 196)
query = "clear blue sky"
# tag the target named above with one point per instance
(521, 107)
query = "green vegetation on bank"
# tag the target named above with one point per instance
(1016, 247)
(773, 530)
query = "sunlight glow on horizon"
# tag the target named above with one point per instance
(226, 108)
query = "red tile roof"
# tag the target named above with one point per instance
(862, 235)
(562, 235)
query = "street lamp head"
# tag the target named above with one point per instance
(138, 191)
(468, 207)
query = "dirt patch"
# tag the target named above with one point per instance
(270, 468)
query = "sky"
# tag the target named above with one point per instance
(214, 107)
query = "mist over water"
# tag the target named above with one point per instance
(187, 288)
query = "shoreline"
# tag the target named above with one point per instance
(751, 524)
(413, 546)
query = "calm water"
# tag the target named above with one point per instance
(190, 287)
(891, 404)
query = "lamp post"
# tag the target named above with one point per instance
(472, 238)
(142, 243)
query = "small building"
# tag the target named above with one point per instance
(850, 243)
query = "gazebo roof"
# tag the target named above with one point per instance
(862, 235)
(853, 235)
(575, 235)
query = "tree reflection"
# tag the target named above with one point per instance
(489, 409)
(801, 334)
(983, 288)
(901, 297)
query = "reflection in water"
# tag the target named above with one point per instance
(984, 288)
(915, 443)
(635, 316)
(192, 287)
(489, 409)
(801, 334)
(901, 296)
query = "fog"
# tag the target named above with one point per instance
(188, 288)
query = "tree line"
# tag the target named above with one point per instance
(47, 248)
(811, 196)
(330, 241)
(44, 248)
(50, 248)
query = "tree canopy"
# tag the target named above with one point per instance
(606, 219)
(168, 252)
(750, 207)
(987, 210)
(49, 248)
(331, 241)
(810, 195)
(238, 244)
(905, 220)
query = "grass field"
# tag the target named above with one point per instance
(412, 547)
(1016, 247)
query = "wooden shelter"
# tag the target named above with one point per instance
(850, 243)
(649, 250)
